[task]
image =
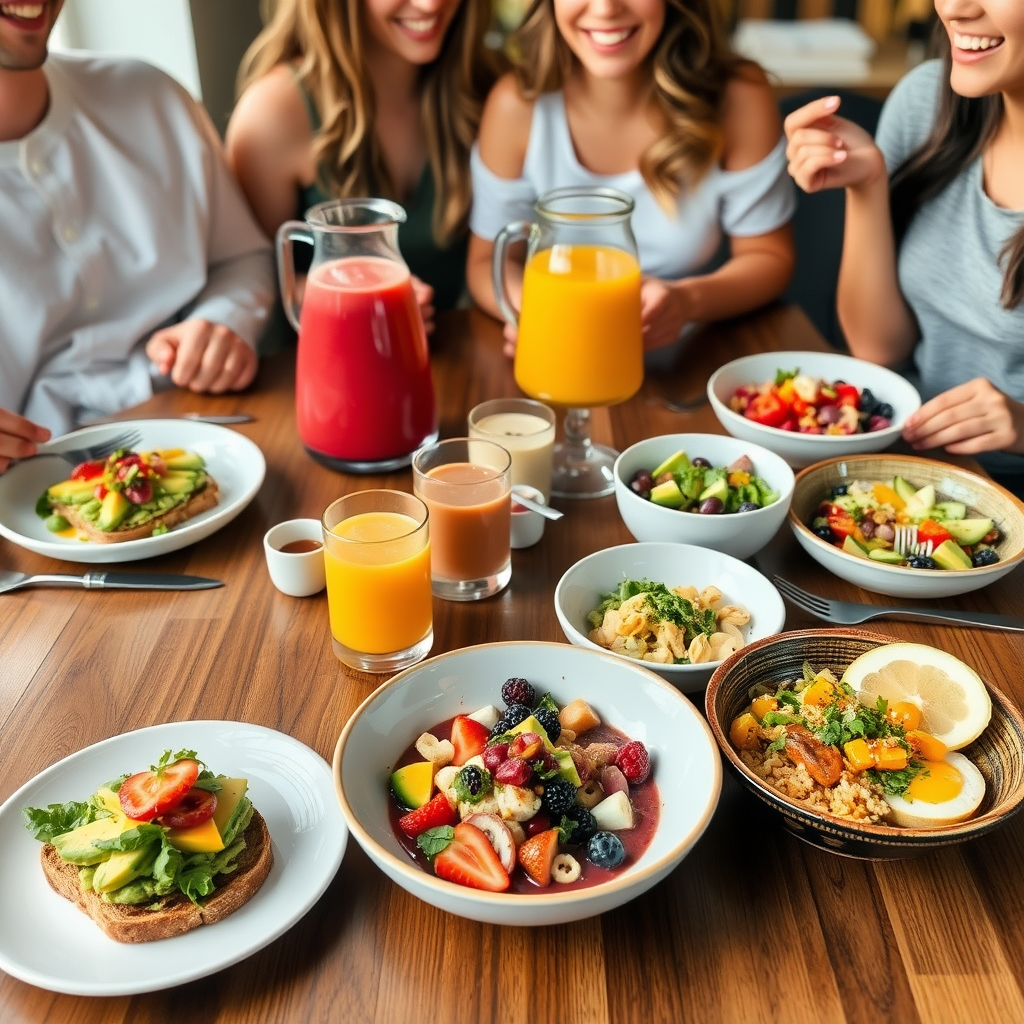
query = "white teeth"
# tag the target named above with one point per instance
(420, 25)
(22, 10)
(975, 42)
(610, 38)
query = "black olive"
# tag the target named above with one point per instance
(839, 490)
(699, 461)
(825, 532)
(984, 556)
(921, 562)
(748, 506)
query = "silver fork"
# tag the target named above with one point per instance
(90, 452)
(849, 613)
(906, 542)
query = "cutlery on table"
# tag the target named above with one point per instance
(849, 613)
(535, 506)
(10, 580)
(89, 453)
(236, 417)
(685, 404)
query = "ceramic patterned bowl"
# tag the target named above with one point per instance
(998, 753)
(981, 496)
(686, 766)
(803, 449)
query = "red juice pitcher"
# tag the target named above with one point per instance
(364, 399)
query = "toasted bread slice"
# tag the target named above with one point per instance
(177, 914)
(198, 502)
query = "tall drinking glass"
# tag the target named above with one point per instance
(580, 342)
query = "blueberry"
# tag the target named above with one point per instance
(825, 532)
(921, 562)
(868, 402)
(748, 506)
(839, 490)
(605, 850)
(984, 556)
(884, 410)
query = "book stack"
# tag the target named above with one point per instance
(821, 51)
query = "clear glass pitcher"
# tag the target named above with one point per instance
(580, 341)
(364, 398)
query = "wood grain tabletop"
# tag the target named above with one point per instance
(753, 926)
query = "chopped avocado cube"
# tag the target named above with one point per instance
(667, 494)
(567, 767)
(949, 555)
(413, 784)
(903, 488)
(968, 531)
(678, 460)
(113, 509)
(853, 547)
(717, 489)
(885, 555)
(122, 867)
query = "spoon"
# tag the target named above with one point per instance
(535, 506)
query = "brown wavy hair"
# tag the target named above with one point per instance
(691, 64)
(963, 128)
(321, 39)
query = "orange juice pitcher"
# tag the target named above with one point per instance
(579, 330)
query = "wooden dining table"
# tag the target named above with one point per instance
(753, 926)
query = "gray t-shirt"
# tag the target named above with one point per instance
(949, 265)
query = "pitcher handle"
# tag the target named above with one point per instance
(289, 232)
(517, 231)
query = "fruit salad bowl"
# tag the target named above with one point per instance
(685, 767)
(998, 753)
(980, 497)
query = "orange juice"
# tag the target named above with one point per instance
(378, 582)
(580, 341)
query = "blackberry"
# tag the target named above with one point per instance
(501, 727)
(605, 850)
(549, 719)
(585, 823)
(984, 556)
(473, 783)
(514, 714)
(921, 562)
(558, 796)
(518, 691)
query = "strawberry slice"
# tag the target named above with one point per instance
(469, 738)
(469, 859)
(432, 814)
(537, 855)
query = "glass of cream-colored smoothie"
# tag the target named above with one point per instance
(526, 429)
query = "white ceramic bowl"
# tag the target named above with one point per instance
(685, 759)
(803, 449)
(982, 497)
(739, 534)
(585, 584)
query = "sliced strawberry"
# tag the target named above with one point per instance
(87, 471)
(537, 855)
(469, 738)
(432, 814)
(146, 795)
(469, 859)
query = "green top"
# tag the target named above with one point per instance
(443, 268)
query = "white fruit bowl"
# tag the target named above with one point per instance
(685, 760)
(739, 534)
(803, 449)
(584, 585)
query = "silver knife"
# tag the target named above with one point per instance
(988, 620)
(109, 581)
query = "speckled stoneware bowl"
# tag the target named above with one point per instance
(998, 752)
(981, 496)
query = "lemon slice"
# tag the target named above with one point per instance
(955, 705)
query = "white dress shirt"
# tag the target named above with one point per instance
(118, 216)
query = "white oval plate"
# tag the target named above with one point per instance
(234, 461)
(47, 941)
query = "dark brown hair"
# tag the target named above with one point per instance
(963, 127)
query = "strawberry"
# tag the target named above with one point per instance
(469, 738)
(537, 855)
(435, 812)
(469, 859)
(633, 761)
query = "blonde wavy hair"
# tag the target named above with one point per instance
(322, 40)
(691, 64)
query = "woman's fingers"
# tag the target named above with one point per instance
(805, 116)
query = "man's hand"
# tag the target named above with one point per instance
(425, 299)
(18, 438)
(202, 356)
(968, 419)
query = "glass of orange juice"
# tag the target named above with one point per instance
(377, 557)
(580, 341)
(467, 486)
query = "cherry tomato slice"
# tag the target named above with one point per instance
(148, 794)
(767, 408)
(195, 807)
(87, 471)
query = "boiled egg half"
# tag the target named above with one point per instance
(947, 792)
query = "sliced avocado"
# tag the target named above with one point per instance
(718, 489)
(567, 767)
(186, 460)
(853, 547)
(949, 555)
(667, 494)
(114, 508)
(967, 531)
(79, 845)
(122, 867)
(885, 555)
(678, 460)
(228, 798)
(413, 784)
(950, 510)
(903, 488)
(180, 483)
(71, 492)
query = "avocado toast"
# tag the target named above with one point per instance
(129, 495)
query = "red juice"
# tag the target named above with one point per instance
(363, 390)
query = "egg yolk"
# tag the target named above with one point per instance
(905, 713)
(940, 782)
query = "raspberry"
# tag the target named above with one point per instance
(518, 691)
(633, 761)
(605, 850)
(558, 796)
(549, 719)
